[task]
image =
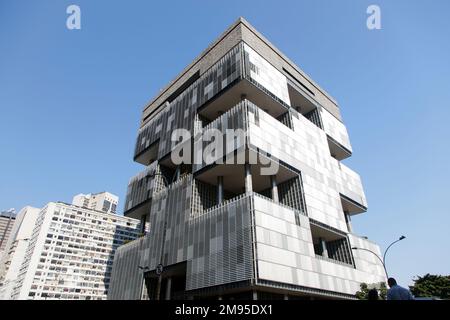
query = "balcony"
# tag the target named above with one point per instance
(351, 191)
(235, 119)
(337, 150)
(289, 190)
(154, 138)
(140, 190)
(331, 244)
(243, 89)
(338, 140)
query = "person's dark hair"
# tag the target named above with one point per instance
(372, 294)
(392, 282)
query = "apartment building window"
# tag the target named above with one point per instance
(314, 117)
(291, 193)
(331, 244)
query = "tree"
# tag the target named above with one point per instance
(363, 293)
(431, 285)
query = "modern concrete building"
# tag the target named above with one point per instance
(222, 224)
(102, 201)
(70, 253)
(15, 250)
(6, 223)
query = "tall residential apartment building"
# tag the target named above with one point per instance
(7, 219)
(102, 201)
(223, 224)
(15, 250)
(70, 253)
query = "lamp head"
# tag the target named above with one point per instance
(402, 237)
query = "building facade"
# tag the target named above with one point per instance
(102, 201)
(225, 224)
(15, 250)
(7, 219)
(70, 253)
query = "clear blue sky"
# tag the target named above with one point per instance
(71, 100)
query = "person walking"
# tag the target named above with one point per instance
(396, 292)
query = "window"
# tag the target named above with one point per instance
(330, 244)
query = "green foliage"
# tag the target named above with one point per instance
(383, 291)
(431, 286)
(363, 293)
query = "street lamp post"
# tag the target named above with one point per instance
(385, 252)
(383, 261)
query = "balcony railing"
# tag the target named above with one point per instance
(318, 256)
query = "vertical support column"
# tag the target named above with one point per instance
(248, 179)
(168, 287)
(255, 295)
(143, 220)
(273, 183)
(177, 173)
(141, 296)
(158, 288)
(324, 248)
(198, 125)
(219, 189)
(348, 221)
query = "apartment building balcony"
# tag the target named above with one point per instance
(180, 110)
(337, 135)
(242, 89)
(141, 188)
(351, 190)
(337, 150)
(237, 119)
